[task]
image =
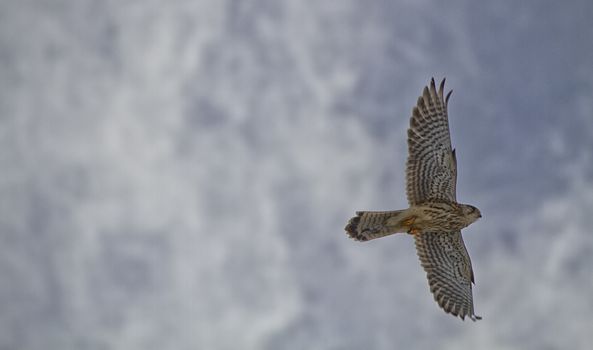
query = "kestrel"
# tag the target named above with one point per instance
(434, 217)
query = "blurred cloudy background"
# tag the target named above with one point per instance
(177, 174)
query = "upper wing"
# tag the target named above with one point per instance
(449, 271)
(431, 171)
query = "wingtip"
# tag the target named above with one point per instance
(472, 317)
(425, 91)
(475, 317)
(448, 95)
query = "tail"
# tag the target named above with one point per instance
(367, 225)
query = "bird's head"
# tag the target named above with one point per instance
(471, 213)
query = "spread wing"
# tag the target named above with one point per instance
(431, 171)
(449, 271)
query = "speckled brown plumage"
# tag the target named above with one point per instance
(434, 217)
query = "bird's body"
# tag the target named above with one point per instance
(434, 217)
(430, 216)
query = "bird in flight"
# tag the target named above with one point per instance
(434, 217)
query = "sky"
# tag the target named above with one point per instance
(178, 174)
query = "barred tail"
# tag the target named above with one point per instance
(367, 225)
